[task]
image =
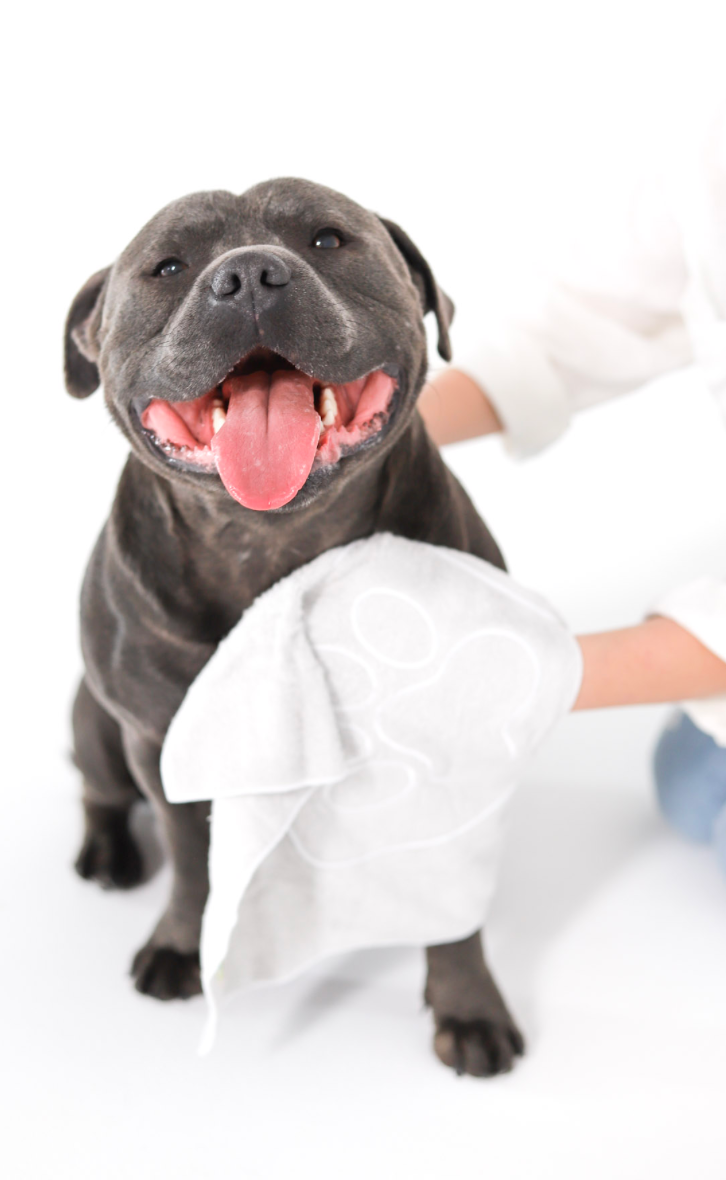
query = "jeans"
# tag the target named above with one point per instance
(690, 777)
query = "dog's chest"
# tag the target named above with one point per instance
(162, 591)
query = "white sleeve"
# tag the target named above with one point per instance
(609, 322)
(700, 607)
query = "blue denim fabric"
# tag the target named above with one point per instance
(690, 776)
(719, 840)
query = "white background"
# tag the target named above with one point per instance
(485, 131)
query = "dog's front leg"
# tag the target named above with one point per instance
(475, 1032)
(167, 967)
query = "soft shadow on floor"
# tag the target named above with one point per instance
(564, 845)
(324, 996)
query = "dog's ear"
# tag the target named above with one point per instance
(434, 299)
(81, 336)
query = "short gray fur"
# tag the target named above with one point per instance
(179, 560)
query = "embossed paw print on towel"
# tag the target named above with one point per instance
(359, 732)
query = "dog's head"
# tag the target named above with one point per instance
(268, 343)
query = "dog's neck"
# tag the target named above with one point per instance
(205, 556)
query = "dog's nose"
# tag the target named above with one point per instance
(249, 268)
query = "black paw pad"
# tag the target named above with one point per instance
(167, 974)
(482, 1048)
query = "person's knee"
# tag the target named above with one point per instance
(690, 776)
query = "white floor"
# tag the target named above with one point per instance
(608, 937)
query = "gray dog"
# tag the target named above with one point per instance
(262, 354)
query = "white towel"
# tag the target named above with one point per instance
(359, 732)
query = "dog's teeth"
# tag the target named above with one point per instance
(219, 416)
(328, 407)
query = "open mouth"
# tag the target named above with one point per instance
(267, 425)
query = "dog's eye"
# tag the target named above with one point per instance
(169, 266)
(327, 239)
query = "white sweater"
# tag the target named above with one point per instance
(645, 296)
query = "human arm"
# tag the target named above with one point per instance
(455, 408)
(657, 660)
(609, 322)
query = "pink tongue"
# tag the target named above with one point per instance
(266, 447)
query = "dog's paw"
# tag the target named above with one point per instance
(110, 857)
(481, 1048)
(166, 974)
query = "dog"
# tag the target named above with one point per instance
(263, 355)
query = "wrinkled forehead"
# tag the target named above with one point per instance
(288, 201)
(216, 221)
